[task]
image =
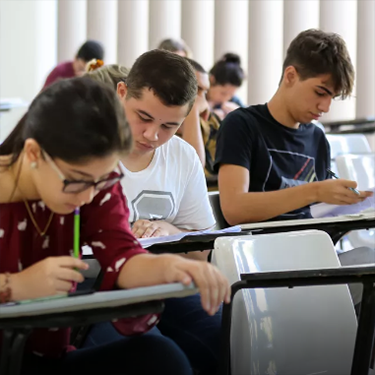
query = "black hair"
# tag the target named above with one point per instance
(90, 50)
(74, 120)
(168, 75)
(198, 67)
(316, 52)
(228, 70)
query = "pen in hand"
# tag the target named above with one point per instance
(332, 174)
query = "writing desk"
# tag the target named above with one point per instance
(336, 227)
(351, 126)
(192, 243)
(18, 321)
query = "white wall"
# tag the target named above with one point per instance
(28, 32)
(29, 39)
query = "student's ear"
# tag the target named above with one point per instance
(33, 152)
(290, 75)
(122, 90)
(212, 80)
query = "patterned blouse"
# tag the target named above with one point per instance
(104, 226)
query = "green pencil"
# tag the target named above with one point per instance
(76, 232)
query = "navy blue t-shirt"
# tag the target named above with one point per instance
(276, 156)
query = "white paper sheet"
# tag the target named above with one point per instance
(331, 210)
(146, 242)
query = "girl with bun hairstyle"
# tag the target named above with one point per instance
(226, 76)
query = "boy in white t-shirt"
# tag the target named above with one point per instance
(164, 180)
(165, 186)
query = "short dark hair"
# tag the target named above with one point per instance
(316, 52)
(228, 70)
(198, 67)
(90, 50)
(168, 75)
(74, 120)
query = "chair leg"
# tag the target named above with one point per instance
(12, 350)
(5, 352)
(365, 332)
(17, 350)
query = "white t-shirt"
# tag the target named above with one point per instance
(172, 188)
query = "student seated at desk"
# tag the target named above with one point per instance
(164, 180)
(272, 160)
(64, 154)
(226, 77)
(201, 125)
(165, 186)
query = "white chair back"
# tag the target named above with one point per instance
(348, 144)
(300, 331)
(360, 168)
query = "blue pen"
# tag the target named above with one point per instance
(332, 174)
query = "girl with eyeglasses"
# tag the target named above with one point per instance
(64, 154)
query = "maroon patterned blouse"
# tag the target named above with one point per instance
(104, 227)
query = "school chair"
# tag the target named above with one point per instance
(360, 168)
(216, 209)
(286, 331)
(342, 144)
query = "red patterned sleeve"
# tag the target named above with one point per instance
(105, 228)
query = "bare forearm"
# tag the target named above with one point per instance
(253, 207)
(197, 255)
(192, 134)
(142, 270)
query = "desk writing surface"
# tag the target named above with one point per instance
(98, 300)
(292, 223)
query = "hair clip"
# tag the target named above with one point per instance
(94, 64)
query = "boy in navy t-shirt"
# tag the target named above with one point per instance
(272, 160)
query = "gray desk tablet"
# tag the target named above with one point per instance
(17, 321)
(98, 300)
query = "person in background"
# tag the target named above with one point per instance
(201, 126)
(88, 51)
(177, 46)
(226, 76)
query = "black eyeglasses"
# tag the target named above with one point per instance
(77, 186)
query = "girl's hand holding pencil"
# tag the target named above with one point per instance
(48, 277)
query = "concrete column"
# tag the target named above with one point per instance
(265, 49)
(341, 17)
(232, 33)
(366, 59)
(102, 26)
(165, 21)
(29, 26)
(132, 30)
(197, 29)
(298, 16)
(71, 34)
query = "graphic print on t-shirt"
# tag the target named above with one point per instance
(293, 168)
(153, 205)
